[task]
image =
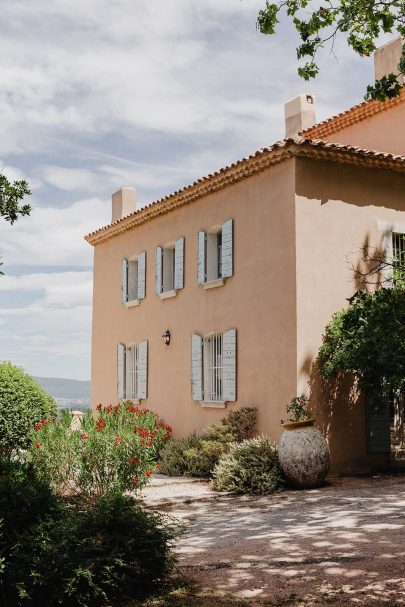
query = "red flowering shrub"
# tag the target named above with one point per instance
(117, 451)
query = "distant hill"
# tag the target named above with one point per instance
(68, 393)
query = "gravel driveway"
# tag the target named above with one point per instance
(340, 545)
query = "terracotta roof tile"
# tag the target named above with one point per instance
(356, 114)
(259, 161)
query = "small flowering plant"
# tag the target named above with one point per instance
(115, 451)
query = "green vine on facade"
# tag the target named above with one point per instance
(368, 340)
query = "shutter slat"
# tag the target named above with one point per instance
(121, 370)
(179, 264)
(229, 365)
(142, 275)
(227, 248)
(158, 270)
(142, 369)
(201, 278)
(196, 367)
(124, 280)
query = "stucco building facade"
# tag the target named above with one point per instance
(241, 271)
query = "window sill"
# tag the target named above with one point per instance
(213, 404)
(167, 294)
(134, 401)
(132, 303)
(212, 284)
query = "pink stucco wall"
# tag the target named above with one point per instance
(259, 301)
(384, 131)
(297, 226)
(338, 208)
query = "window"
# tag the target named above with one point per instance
(213, 368)
(132, 285)
(398, 256)
(132, 370)
(215, 255)
(170, 268)
(133, 279)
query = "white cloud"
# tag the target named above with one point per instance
(53, 328)
(183, 68)
(54, 236)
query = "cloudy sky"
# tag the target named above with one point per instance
(102, 93)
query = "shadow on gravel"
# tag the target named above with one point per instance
(333, 546)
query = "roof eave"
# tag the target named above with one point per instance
(260, 161)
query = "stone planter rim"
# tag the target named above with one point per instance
(303, 423)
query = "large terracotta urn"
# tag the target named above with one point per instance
(303, 454)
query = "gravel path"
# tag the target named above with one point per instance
(340, 545)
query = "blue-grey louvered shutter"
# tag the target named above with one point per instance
(229, 365)
(196, 367)
(227, 249)
(202, 252)
(121, 370)
(158, 270)
(142, 391)
(179, 264)
(142, 275)
(124, 280)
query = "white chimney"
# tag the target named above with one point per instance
(387, 58)
(300, 114)
(123, 203)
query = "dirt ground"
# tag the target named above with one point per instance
(343, 544)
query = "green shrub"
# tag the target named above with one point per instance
(249, 467)
(22, 404)
(89, 554)
(24, 498)
(116, 452)
(242, 422)
(197, 455)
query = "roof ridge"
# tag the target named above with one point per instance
(359, 112)
(263, 158)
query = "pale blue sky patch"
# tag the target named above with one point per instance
(148, 94)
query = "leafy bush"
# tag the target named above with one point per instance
(24, 498)
(241, 422)
(88, 555)
(22, 404)
(250, 467)
(116, 452)
(197, 455)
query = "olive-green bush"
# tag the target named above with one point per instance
(249, 467)
(197, 455)
(89, 553)
(22, 404)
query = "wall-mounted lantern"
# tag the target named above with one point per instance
(166, 337)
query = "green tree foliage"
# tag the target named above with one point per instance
(22, 404)
(11, 196)
(360, 21)
(368, 340)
